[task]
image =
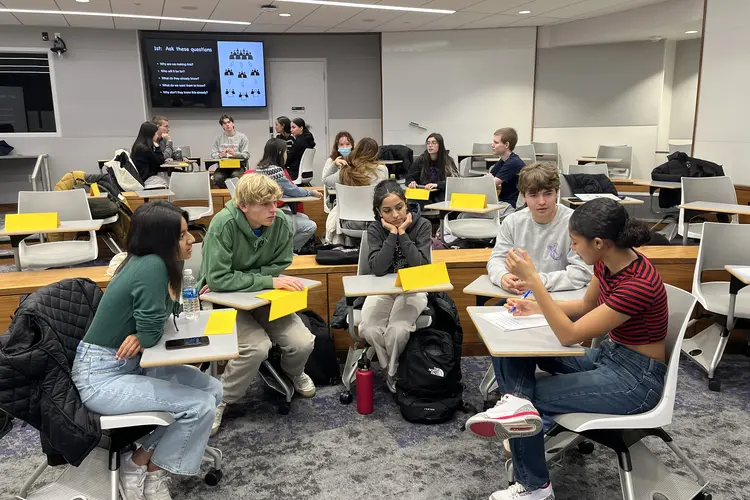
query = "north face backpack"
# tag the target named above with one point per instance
(323, 364)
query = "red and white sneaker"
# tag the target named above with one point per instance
(512, 417)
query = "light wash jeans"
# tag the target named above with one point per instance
(304, 229)
(113, 387)
(610, 379)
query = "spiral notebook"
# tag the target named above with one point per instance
(506, 321)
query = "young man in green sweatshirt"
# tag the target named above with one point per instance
(248, 244)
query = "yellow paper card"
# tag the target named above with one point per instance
(468, 200)
(229, 163)
(32, 222)
(221, 322)
(94, 189)
(284, 302)
(422, 276)
(417, 194)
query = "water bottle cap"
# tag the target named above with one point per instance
(363, 363)
(187, 272)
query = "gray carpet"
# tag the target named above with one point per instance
(323, 450)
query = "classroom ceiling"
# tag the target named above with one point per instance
(309, 18)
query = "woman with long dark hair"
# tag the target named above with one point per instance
(342, 147)
(283, 127)
(107, 373)
(431, 168)
(625, 375)
(146, 154)
(303, 140)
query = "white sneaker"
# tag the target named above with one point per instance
(303, 385)
(512, 417)
(390, 382)
(217, 418)
(157, 486)
(132, 478)
(518, 492)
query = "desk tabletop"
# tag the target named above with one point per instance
(603, 160)
(21, 157)
(625, 201)
(154, 193)
(247, 301)
(659, 184)
(390, 162)
(66, 226)
(546, 154)
(220, 347)
(482, 286)
(712, 206)
(368, 284)
(478, 155)
(299, 199)
(175, 164)
(742, 273)
(445, 206)
(539, 341)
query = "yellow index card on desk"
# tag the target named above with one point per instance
(229, 163)
(32, 222)
(284, 302)
(468, 200)
(94, 189)
(221, 322)
(417, 194)
(410, 278)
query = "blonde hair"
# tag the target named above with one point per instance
(256, 189)
(361, 164)
(538, 177)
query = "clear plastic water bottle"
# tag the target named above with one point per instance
(190, 304)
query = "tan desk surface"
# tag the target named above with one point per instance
(300, 199)
(659, 184)
(626, 201)
(365, 285)
(742, 273)
(390, 162)
(66, 226)
(546, 154)
(445, 206)
(247, 301)
(594, 159)
(482, 286)
(712, 206)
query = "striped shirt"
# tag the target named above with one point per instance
(638, 292)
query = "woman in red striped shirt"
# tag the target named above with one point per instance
(625, 375)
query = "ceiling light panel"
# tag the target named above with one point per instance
(358, 5)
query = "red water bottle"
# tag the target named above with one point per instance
(364, 386)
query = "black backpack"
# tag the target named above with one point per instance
(322, 365)
(429, 388)
(681, 165)
(336, 255)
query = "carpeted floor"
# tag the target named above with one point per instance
(323, 450)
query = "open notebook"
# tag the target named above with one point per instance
(506, 321)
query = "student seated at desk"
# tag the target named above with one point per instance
(272, 165)
(506, 170)
(147, 156)
(143, 293)
(624, 376)
(229, 144)
(164, 140)
(431, 168)
(303, 139)
(247, 246)
(342, 146)
(542, 230)
(283, 128)
(398, 238)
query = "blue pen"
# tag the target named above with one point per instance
(523, 297)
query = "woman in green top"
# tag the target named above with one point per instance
(130, 318)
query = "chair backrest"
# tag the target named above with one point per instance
(596, 168)
(231, 186)
(69, 205)
(355, 202)
(715, 189)
(194, 262)
(481, 148)
(474, 185)
(721, 244)
(363, 265)
(550, 148)
(305, 166)
(623, 153)
(526, 152)
(683, 148)
(565, 190)
(417, 149)
(185, 151)
(190, 186)
(464, 168)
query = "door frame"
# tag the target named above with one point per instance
(269, 91)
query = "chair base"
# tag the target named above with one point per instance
(276, 380)
(349, 373)
(706, 349)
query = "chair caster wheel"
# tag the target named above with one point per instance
(585, 447)
(213, 477)
(714, 384)
(703, 496)
(346, 398)
(284, 408)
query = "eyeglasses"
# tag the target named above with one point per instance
(430, 143)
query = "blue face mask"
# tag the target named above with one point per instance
(345, 151)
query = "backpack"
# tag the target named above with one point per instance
(681, 165)
(124, 172)
(322, 365)
(590, 184)
(337, 255)
(429, 388)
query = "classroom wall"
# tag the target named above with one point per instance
(684, 89)
(463, 84)
(100, 98)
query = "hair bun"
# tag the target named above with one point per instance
(633, 234)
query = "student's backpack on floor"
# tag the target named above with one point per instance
(322, 365)
(336, 255)
(429, 388)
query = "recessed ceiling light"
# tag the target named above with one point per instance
(82, 1)
(284, 14)
(372, 6)
(189, 7)
(124, 16)
(691, 32)
(524, 12)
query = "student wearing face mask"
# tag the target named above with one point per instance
(342, 146)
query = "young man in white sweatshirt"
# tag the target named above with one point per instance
(542, 231)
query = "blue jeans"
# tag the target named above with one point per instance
(114, 387)
(611, 379)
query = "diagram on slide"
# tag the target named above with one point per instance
(242, 74)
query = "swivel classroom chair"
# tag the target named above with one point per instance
(305, 173)
(642, 474)
(589, 168)
(481, 227)
(526, 152)
(479, 164)
(355, 204)
(682, 148)
(354, 318)
(713, 189)
(548, 152)
(722, 244)
(232, 186)
(192, 186)
(71, 205)
(621, 169)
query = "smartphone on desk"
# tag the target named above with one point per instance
(185, 343)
